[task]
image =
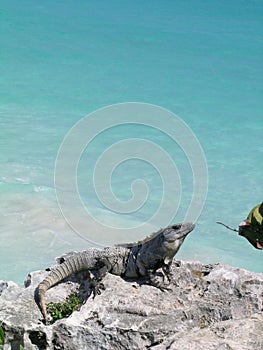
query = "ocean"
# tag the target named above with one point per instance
(118, 118)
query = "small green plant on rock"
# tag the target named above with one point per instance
(61, 310)
(2, 335)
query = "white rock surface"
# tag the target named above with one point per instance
(209, 307)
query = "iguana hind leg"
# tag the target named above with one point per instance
(96, 285)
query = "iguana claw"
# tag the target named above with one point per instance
(96, 288)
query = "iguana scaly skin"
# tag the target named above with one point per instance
(133, 260)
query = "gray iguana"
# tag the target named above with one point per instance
(132, 260)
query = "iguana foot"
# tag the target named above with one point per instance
(165, 287)
(155, 281)
(96, 288)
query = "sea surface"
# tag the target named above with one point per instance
(61, 61)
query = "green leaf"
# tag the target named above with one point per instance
(2, 335)
(62, 310)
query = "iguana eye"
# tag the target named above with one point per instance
(176, 227)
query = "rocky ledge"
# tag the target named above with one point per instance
(211, 307)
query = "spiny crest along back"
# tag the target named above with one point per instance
(146, 239)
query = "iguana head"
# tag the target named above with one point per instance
(173, 237)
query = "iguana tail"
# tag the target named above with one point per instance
(69, 267)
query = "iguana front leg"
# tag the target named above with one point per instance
(167, 270)
(154, 279)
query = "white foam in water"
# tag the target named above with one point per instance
(203, 63)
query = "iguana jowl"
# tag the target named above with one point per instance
(133, 260)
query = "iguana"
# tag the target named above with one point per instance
(132, 260)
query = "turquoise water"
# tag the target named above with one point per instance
(63, 60)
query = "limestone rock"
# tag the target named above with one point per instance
(211, 307)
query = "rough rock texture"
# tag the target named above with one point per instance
(211, 307)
